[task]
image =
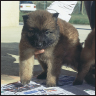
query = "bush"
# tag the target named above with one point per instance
(79, 19)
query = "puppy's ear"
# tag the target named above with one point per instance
(25, 17)
(55, 16)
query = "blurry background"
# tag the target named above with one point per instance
(12, 11)
(79, 15)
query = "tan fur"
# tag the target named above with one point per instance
(87, 59)
(26, 61)
(65, 50)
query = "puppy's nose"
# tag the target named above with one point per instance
(39, 44)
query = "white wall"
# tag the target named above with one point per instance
(9, 13)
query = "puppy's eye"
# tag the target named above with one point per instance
(30, 33)
(47, 32)
(51, 32)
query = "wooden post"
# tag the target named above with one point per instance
(82, 7)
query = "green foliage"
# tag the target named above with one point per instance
(79, 19)
(40, 4)
(75, 19)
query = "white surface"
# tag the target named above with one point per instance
(64, 8)
(37, 87)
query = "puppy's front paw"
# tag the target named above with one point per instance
(25, 76)
(24, 82)
(51, 81)
(50, 85)
(77, 82)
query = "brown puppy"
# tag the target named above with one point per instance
(59, 39)
(87, 61)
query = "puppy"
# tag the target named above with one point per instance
(59, 39)
(87, 62)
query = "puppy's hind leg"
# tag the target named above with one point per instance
(43, 74)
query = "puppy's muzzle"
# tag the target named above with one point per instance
(39, 44)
